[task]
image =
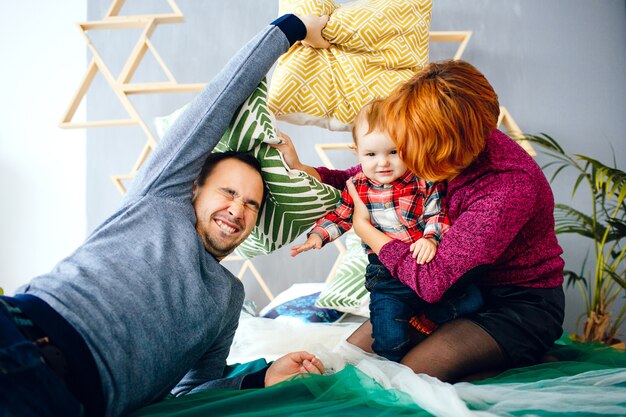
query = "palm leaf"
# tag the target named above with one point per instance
(561, 159)
(618, 228)
(606, 226)
(572, 278)
(546, 142)
(619, 279)
(569, 220)
(612, 181)
(580, 178)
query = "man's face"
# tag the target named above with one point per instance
(227, 206)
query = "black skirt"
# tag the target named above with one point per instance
(524, 321)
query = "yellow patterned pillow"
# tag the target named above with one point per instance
(377, 44)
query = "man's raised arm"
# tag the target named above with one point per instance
(175, 163)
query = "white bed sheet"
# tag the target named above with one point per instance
(596, 392)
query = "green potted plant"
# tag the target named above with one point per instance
(602, 277)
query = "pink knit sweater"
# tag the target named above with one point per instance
(501, 208)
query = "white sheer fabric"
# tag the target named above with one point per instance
(597, 392)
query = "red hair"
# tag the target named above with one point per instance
(440, 118)
(372, 114)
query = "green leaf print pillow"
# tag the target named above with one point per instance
(346, 290)
(295, 199)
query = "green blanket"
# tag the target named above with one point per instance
(586, 380)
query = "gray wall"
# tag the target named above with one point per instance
(555, 65)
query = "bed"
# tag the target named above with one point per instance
(580, 379)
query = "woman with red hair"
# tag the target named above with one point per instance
(444, 123)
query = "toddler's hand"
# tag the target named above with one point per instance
(313, 242)
(424, 250)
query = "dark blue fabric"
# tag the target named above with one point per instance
(255, 379)
(304, 308)
(292, 27)
(392, 304)
(454, 306)
(84, 379)
(28, 387)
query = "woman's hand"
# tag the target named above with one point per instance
(289, 152)
(314, 26)
(292, 364)
(291, 156)
(361, 215)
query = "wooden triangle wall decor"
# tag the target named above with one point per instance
(122, 85)
(512, 129)
(463, 37)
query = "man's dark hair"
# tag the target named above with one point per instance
(215, 158)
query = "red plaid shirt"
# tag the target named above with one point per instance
(407, 209)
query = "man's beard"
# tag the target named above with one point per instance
(218, 248)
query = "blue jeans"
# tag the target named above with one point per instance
(392, 304)
(28, 387)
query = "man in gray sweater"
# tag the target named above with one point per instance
(143, 307)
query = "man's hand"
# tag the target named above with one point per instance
(313, 242)
(293, 364)
(314, 25)
(424, 250)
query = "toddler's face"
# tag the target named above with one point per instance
(378, 155)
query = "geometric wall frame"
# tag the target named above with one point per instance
(463, 37)
(122, 85)
(512, 129)
(247, 265)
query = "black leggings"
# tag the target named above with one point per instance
(442, 356)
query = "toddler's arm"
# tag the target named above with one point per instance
(337, 222)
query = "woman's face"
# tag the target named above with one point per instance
(378, 155)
